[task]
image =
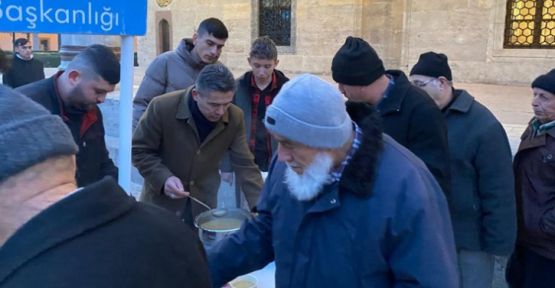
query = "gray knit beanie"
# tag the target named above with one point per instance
(310, 111)
(29, 134)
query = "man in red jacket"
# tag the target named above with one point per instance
(74, 95)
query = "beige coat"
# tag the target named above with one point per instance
(166, 143)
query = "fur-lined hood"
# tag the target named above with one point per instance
(358, 177)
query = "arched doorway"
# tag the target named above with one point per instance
(163, 31)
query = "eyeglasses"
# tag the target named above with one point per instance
(421, 84)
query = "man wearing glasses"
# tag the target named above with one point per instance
(408, 114)
(482, 202)
(24, 68)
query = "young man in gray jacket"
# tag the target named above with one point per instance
(482, 201)
(176, 70)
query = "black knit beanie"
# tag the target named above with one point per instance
(29, 134)
(433, 65)
(356, 63)
(546, 82)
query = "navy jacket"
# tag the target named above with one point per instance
(384, 224)
(482, 197)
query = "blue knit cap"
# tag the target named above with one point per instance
(29, 134)
(310, 111)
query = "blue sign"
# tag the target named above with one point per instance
(108, 17)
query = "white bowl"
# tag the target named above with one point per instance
(245, 281)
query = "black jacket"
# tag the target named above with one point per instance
(93, 162)
(23, 72)
(100, 237)
(412, 118)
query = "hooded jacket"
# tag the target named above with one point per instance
(169, 71)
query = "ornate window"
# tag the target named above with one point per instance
(530, 24)
(274, 20)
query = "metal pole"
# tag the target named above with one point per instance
(125, 110)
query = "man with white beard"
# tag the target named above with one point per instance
(343, 205)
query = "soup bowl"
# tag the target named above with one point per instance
(214, 225)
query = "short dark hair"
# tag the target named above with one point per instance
(99, 60)
(263, 48)
(214, 27)
(20, 42)
(215, 78)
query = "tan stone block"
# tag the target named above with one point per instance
(316, 64)
(291, 63)
(438, 5)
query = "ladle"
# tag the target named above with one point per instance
(199, 202)
(217, 213)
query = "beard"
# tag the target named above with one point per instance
(307, 186)
(79, 103)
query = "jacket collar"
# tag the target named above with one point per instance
(89, 118)
(358, 177)
(184, 51)
(528, 141)
(462, 103)
(78, 213)
(183, 111)
(246, 78)
(393, 102)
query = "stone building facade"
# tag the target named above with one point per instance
(470, 32)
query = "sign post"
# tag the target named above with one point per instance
(97, 17)
(125, 113)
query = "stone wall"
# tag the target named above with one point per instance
(469, 32)
(320, 28)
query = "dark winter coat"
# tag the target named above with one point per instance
(482, 187)
(384, 224)
(23, 72)
(414, 121)
(101, 237)
(93, 162)
(534, 168)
